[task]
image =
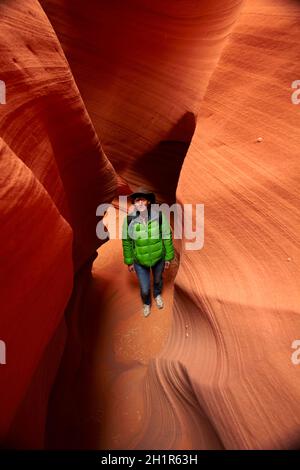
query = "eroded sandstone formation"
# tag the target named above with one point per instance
(53, 175)
(187, 97)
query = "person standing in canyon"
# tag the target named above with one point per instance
(147, 245)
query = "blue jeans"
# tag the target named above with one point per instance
(143, 274)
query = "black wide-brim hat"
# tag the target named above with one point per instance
(144, 193)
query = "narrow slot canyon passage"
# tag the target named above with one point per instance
(199, 102)
(118, 343)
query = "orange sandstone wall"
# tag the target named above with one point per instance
(53, 174)
(238, 298)
(142, 67)
(225, 377)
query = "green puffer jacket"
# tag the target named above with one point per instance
(143, 249)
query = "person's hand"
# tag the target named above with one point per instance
(131, 268)
(167, 264)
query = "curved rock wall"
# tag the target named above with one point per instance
(53, 175)
(142, 68)
(238, 298)
(176, 90)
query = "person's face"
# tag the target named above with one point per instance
(141, 203)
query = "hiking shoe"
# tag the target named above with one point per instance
(146, 310)
(159, 301)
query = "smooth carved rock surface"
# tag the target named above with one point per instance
(208, 82)
(142, 68)
(239, 296)
(53, 175)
